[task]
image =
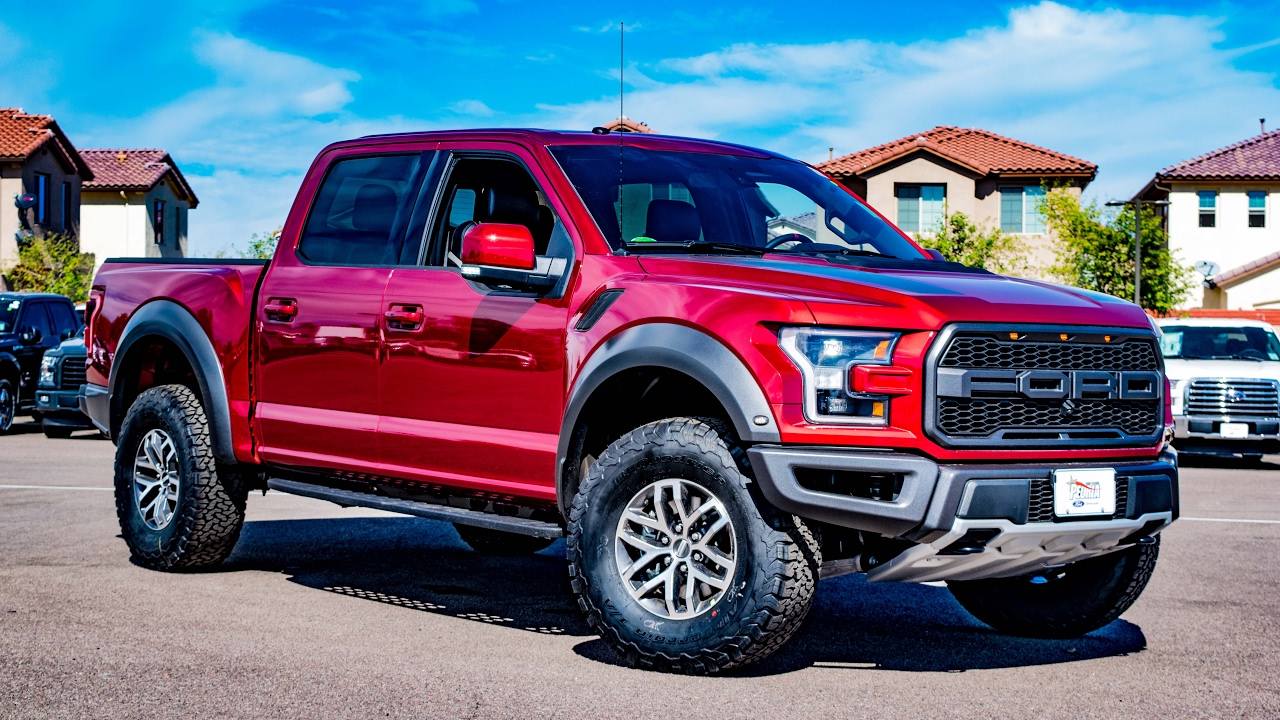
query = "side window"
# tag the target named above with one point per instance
(360, 211)
(482, 190)
(64, 320)
(34, 315)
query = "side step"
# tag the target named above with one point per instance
(348, 498)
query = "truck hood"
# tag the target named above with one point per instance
(1179, 370)
(899, 295)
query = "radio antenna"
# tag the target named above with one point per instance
(622, 66)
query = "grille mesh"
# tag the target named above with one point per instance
(73, 373)
(965, 417)
(1234, 398)
(978, 351)
(1041, 508)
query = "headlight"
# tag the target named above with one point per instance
(825, 358)
(47, 367)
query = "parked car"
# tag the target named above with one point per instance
(535, 334)
(1226, 385)
(30, 324)
(58, 391)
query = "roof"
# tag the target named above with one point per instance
(1248, 271)
(1257, 158)
(986, 153)
(133, 170)
(648, 141)
(21, 134)
(808, 220)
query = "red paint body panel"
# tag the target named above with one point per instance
(500, 245)
(415, 372)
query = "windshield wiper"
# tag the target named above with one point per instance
(801, 250)
(696, 247)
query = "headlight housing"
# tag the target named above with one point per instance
(825, 358)
(47, 367)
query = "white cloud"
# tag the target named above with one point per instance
(474, 108)
(1132, 92)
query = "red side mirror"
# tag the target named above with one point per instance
(498, 245)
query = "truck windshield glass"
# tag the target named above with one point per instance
(1189, 342)
(710, 203)
(8, 313)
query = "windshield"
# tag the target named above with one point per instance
(8, 313)
(705, 202)
(1189, 342)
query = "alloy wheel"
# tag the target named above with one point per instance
(155, 479)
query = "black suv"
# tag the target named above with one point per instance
(30, 324)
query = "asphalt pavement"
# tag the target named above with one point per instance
(327, 612)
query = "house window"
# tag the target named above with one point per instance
(1257, 208)
(1020, 209)
(42, 198)
(158, 222)
(921, 207)
(1208, 208)
(66, 207)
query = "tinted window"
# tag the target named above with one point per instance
(9, 308)
(359, 214)
(34, 315)
(64, 319)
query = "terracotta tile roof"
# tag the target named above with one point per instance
(133, 170)
(1248, 271)
(984, 152)
(22, 134)
(626, 124)
(1257, 158)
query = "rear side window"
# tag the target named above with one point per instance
(64, 320)
(360, 212)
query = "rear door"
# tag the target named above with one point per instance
(320, 309)
(472, 390)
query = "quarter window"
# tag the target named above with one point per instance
(360, 211)
(921, 207)
(1257, 208)
(1208, 208)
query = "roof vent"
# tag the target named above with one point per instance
(121, 157)
(922, 141)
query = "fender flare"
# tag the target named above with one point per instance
(680, 348)
(171, 321)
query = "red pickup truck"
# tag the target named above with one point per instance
(718, 373)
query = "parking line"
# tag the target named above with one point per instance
(51, 487)
(1263, 522)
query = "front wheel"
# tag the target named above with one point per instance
(8, 405)
(1065, 602)
(178, 510)
(677, 564)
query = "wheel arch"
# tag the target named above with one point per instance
(166, 327)
(9, 368)
(669, 352)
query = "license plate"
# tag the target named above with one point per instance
(1234, 430)
(1084, 492)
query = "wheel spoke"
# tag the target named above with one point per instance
(669, 591)
(690, 586)
(714, 555)
(712, 580)
(653, 582)
(709, 504)
(643, 520)
(714, 528)
(641, 543)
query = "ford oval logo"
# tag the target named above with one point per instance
(1078, 503)
(1234, 395)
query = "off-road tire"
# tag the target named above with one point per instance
(777, 554)
(9, 410)
(497, 542)
(56, 432)
(211, 499)
(1077, 599)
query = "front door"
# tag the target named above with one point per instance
(319, 315)
(35, 316)
(473, 381)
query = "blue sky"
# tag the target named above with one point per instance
(244, 95)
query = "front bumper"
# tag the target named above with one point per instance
(938, 506)
(1202, 434)
(61, 407)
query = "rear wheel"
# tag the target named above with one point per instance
(1063, 603)
(8, 405)
(178, 510)
(678, 564)
(496, 542)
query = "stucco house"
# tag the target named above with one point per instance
(992, 179)
(135, 206)
(1222, 211)
(37, 159)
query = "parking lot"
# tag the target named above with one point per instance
(326, 612)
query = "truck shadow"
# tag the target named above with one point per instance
(422, 565)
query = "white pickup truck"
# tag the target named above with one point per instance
(1225, 376)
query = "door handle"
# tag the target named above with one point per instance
(281, 309)
(404, 318)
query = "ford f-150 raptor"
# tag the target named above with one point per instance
(616, 339)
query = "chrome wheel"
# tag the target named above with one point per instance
(155, 479)
(8, 407)
(675, 549)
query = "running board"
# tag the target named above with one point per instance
(447, 513)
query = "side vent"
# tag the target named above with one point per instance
(597, 310)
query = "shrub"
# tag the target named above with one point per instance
(53, 264)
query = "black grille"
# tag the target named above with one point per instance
(979, 351)
(1234, 398)
(72, 373)
(1041, 508)
(979, 418)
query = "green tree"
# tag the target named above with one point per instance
(262, 246)
(1095, 252)
(53, 264)
(961, 240)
